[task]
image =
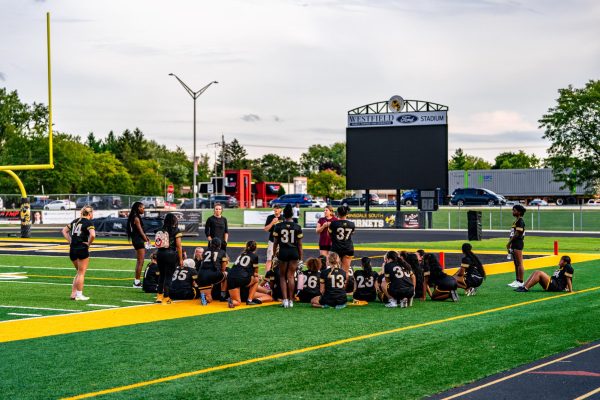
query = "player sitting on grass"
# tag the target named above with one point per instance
(212, 270)
(272, 279)
(150, 283)
(399, 285)
(413, 260)
(471, 273)
(366, 282)
(560, 281)
(333, 285)
(444, 286)
(308, 281)
(183, 282)
(242, 279)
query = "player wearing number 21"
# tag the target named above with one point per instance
(341, 232)
(288, 247)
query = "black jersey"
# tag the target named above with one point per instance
(311, 284)
(365, 282)
(183, 279)
(134, 231)
(335, 282)
(288, 234)
(213, 259)
(559, 278)
(341, 232)
(398, 276)
(471, 267)
(270, 219)
(174, 233)
(273, 277)
(80, 232)
(150, 283)
(434, 272)
(243, 267)
(518, 226)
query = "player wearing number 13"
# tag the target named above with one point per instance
(288, 245)
(333, 285)
(341, 232)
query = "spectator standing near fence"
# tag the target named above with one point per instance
(216, 227)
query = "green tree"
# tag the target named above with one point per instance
(510, 160)
(235, 157)
(274, 168)
(107, 175)
(462, 161)
(573, 128)
(320, 157)
(327, 184)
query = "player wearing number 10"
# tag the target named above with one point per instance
(341, 237)
(288, 246)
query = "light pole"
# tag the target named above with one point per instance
(195, 96)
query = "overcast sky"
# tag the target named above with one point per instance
(290, 70)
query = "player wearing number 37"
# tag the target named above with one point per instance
(341, 232)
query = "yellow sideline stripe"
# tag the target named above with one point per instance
(317, 347)
(13, 330)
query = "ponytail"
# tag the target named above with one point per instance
(250, 246)
(392, 255)
(343, 211)
(366, 264)
(467, 250)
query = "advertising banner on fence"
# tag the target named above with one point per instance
(10, 217)
(377, 219)
(257, 217)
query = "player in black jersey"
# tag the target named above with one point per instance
(366, 282)
(309, 284)
(341, 232)
(169, 257)
(80, 234)
(212, 271)
(138, 238)
(242, 278)
(516, 243)
(444, 286)
(273, 281)
(560, 281)
(151, 274)
(471, 273)
(417, 268)
(288, 247)
(400, 281)
(332, 285)
(183, 282)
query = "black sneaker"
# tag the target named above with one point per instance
(454, 295)
(521, 289)
(253, 302)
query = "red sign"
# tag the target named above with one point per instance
(170, 189)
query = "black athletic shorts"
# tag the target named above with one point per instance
(138, 243)
(401, 293)
(343, 252)
(287, 254)
(234, 283)
(553, 286)
(325, 247)
(517, 244)
(446, 284)
(306, 297)
(191, 294)
(473, 281)
(326, 300)
(208, 277)
(79, 253)
(365, 297)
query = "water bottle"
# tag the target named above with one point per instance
(509, 255)
(203, 299)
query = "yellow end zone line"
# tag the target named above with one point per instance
(317, 347)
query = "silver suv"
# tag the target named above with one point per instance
(153, 201)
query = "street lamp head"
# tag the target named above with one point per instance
(171, 74)
(215, 82)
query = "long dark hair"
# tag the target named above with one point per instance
(170, 222)
(342, 211)
(467, 250)
(133, 214)
(392, 255)
(431, 260)
(366, 264)
(250, 246)
(288, 212)
(215, 244)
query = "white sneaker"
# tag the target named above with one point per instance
(392, 304)
(284, 303)
(81, 297)
(514, 284)
(290, 304)
(403, 303)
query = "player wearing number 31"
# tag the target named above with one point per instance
(341, 232)
(288, 246)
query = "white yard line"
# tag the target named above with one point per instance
(137, 302)
(102, 305)
(40, 308)
(68, 284)
(65, 268)
(24, 315)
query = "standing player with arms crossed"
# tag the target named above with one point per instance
(80, 234)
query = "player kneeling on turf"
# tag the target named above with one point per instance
(471, 273)
(242, 279)
(308, 283)
(151, 274)
(212, 270)
(400, 281)
(444, 286)
(366, 282)
(333, 285)
(560, 281)
(183, 282)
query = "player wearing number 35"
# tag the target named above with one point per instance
(288, 246)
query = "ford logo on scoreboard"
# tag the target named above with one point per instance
(407, 119)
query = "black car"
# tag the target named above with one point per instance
(200, 203)
(225, 200)
(473, 196)
(39, 204)
(360, 201)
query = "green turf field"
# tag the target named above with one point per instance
(408, 363)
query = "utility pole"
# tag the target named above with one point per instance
(223, 160)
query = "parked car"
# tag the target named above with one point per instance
(389, 203)
(303, 199)
(361, 201)
(153, 201)
(593, 202)
(111, 203)
(538, 202)
(473, 196)
(94, 201)
(319, 203)
(1, 204)
(61, 205)
(200, 203)
(225, 200)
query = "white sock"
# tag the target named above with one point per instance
(79, 293)
(136, 281)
